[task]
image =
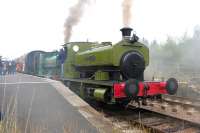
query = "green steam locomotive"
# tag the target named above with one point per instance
(112, 73)
(105, 72)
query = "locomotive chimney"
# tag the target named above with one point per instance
(126, 33)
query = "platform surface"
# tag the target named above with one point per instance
(39, 105)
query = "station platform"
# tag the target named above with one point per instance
(47, 106)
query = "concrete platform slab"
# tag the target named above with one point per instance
(45, 105)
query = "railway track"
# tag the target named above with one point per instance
(138, 120)
(172, 114)
(178, 107)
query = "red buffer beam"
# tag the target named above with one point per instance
(133, 88)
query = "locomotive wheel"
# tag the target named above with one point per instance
(172, 86)
(132, 88)
(82, 92)
(67, 83)
(124, 102)
(74, 87)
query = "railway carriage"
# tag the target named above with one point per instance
(33, 62)
(42, 63)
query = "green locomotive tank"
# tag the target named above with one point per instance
(126, 59)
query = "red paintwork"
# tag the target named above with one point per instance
(119, 90)
(154, 88)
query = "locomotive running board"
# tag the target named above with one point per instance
(93, 82)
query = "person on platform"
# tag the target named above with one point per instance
(5, 68)
(61, 58)
(1, 66)
(13, 67)
(9, 67)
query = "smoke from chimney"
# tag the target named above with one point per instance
(126, 7)
(75, 14)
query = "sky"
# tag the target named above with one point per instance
(27, 25)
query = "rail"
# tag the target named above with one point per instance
(178, 107)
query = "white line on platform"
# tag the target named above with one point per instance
(24, 83)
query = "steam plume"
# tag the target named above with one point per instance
(126, 7)
(75, 14)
